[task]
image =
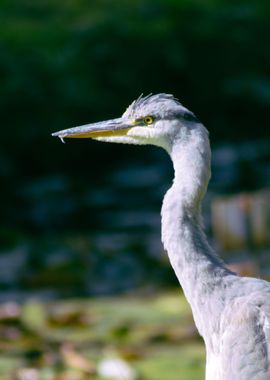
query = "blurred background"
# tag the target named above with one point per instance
(83, 275)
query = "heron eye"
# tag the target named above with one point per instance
(148, 120)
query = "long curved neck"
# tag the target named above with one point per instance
(198, 269)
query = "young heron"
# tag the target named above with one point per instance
(232, 313)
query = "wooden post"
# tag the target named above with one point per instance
(241, 223)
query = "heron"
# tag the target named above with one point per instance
(231, 313)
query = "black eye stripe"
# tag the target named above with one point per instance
(189, 116)
(186, 116)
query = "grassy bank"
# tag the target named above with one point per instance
(68, 340)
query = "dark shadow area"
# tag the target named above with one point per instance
(84, 204)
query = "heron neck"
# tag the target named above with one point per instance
(196, 266)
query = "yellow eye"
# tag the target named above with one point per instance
(148, 120)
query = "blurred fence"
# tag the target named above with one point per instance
(241, 229)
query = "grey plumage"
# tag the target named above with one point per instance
(162, 106)
(232, 313)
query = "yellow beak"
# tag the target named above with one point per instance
(114, 127)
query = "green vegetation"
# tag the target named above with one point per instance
(82, 218)
(155, 335)
(65, 63)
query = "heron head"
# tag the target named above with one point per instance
(154, 119)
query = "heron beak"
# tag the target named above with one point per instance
(114, 127)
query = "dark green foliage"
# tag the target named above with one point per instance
(66, 63)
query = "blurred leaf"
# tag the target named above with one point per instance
(34, 316)
(76, 360)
